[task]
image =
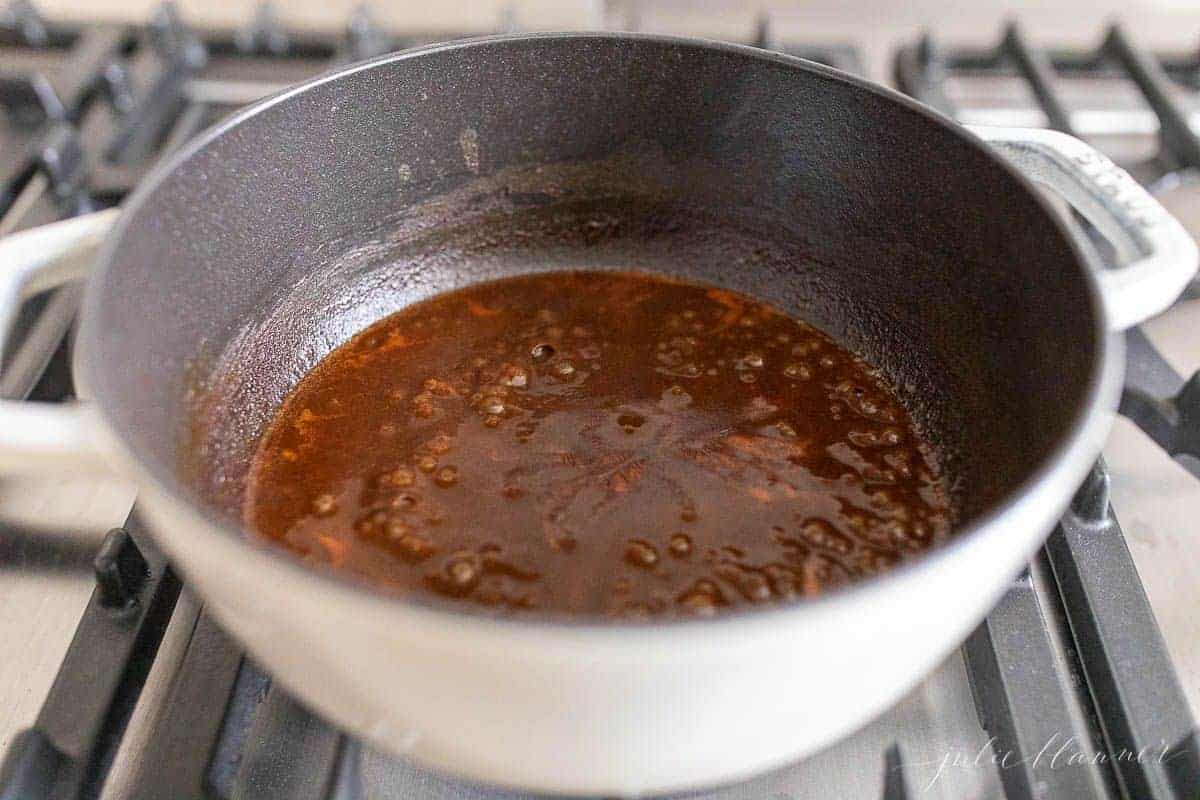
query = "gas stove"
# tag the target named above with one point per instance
(116, 683)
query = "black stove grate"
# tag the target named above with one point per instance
(925, 69)
(71, 747)
(1072, 650)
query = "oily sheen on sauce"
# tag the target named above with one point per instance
(600, 444)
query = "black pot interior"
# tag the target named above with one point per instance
(327, 209)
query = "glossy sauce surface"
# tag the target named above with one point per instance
(601, 444)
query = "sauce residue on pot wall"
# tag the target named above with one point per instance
(601, 444)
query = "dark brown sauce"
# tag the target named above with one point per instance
(602, 444)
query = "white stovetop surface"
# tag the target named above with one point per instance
(1156, 500)
(1158, 505)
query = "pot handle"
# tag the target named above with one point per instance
(1160, 256)
(40, 438)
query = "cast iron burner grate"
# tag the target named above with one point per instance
(1072, 650)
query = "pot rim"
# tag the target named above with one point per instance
(1072, 455)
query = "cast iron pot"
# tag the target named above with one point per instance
(274, 237)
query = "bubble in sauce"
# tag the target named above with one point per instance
(324, 505)
(754, 587)
(819, 533)
(641, 553)
(463, 572)
(438, 387)
(698, 603)
(439, 444)
(423, 406)
(516, 377)
(630, 422)
(404, 501)
(797, 372)
(563, 542)
(680, 545)
(415, 547)
(702, 598)
(782, 580)
(678, 391)
(446, 477)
